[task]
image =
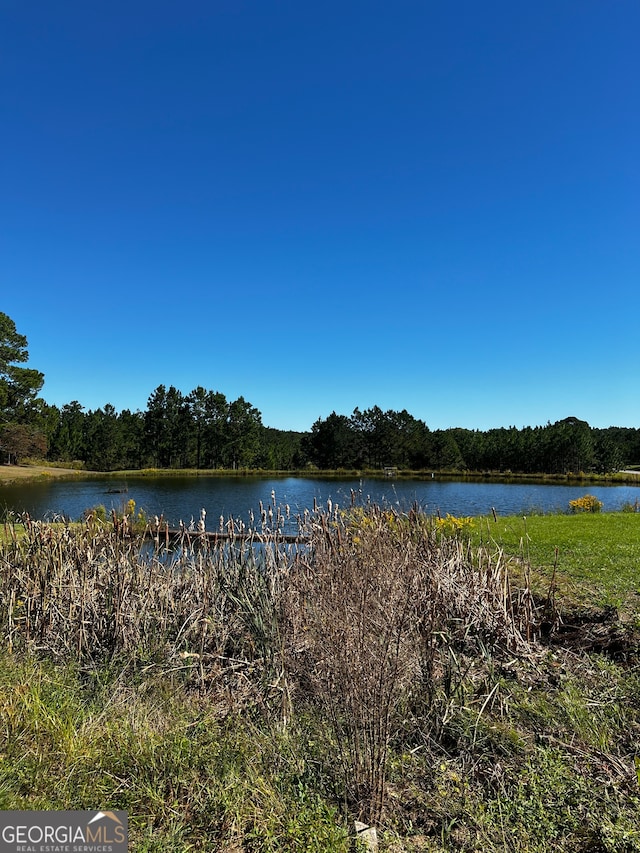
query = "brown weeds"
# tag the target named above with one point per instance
(379, 610)
(368, 613)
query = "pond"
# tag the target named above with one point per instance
(181, 498)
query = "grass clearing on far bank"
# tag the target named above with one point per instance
(13, 473)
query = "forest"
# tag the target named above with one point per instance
(203, 430)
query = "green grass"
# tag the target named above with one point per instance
(189, 778)
(597, 555)
(545, 768)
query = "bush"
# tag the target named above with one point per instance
(376, 613)
(96, 514)
(587, 503)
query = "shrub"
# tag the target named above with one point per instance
(96, 514)
(452, 526)
(587, 503)
(378, 612)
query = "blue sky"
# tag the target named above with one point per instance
(430, 206)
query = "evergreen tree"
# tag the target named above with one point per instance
(67, 441)
(166, 423)
(18, 385)
(333, 442)
(242, 434)
(208, 414)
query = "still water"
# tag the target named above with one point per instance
(179, 498)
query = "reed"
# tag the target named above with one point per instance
(367, 617)
(89, 593)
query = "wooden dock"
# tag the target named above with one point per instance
(173, 534)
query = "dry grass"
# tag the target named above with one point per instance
(11, 473)
(371, 613)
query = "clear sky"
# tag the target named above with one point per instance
(318, 206)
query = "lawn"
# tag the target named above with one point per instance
(596, 555)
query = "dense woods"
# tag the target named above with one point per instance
(204, 430)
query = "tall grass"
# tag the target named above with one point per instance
(362, 622)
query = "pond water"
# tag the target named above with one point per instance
(179, 498)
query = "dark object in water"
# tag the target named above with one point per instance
(117, 491)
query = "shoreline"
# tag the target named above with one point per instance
(25, 473)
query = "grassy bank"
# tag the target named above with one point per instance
(40, 470)
(255, 697)
(593, 558)
(20, 473)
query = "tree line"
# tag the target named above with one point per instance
(200, 430)
(204, 430)
(375, 439)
